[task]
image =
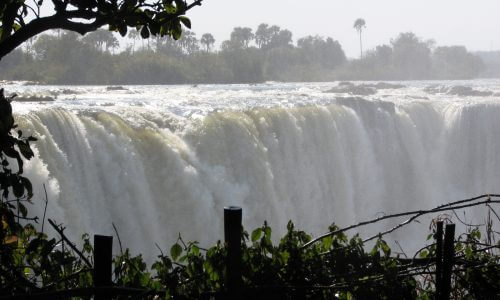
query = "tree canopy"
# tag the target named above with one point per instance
(21, 20)
(67, 58)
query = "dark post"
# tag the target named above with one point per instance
(439, 259)
(103, 252)
(232, 236)
(448, 257)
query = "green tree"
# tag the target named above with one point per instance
(69, 59)
(101, 39)
(268, 37)
(359, 25)
(241, 36)
(326, 53)
(167, 45)
(189, 42)
(411, 56)
(133, 35)
(262, 35)
(21, 19)
(281, 38)
(208, 40)
(455, 62)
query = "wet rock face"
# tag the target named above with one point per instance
(458, 90)
(116, 88)
(35, 98)
(353, 90)
(364, 89)
(436, 89)
(467, 91)
(385, 85)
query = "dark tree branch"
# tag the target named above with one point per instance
(63, 19)
(421, 213)
(40, 25)
(444, 207)
(71, 245)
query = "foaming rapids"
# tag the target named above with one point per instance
(154, 176)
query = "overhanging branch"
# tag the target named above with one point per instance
(40, 25)
(63, 19)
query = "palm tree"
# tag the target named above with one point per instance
(359, 25)
(133, 35)
(189, 42)
(208, 40)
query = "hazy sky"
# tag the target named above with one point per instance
(473, 23)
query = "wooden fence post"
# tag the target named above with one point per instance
(448, 258)
(439, 259)
(103, 252)
(232, 237)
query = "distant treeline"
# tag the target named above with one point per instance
(268, 54)
(492, 61)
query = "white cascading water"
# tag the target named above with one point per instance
(159, 166)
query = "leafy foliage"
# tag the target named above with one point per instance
(15, 189)
(69, 59)
(335, 267)
(21, 20)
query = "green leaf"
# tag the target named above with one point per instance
(16, 26)
(177, 31)
(195, 250)
(267, 232)
(130, 3)
(385, 248)
(27, 185)
(175, 251)
(145, 32)
(185, 21)
(154, 28)
(468, 252)
(22, 209)
(327, 242)
(33, 245)
(123, 30)
(256, 234)
(424, 253)
(47, 247)
(25, 150)
(285, 255)
(169, 8)
(18, 188)
(180, 4)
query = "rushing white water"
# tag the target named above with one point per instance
(158, 160)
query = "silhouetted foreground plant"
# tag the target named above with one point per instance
(332, 266)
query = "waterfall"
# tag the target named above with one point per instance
(154, 176)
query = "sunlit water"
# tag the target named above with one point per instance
(159, 160)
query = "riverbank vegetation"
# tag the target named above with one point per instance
(267, 54)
